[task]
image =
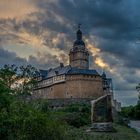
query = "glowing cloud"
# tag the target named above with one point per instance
(94, 51)
(101, 63)
(97, 54)
(16, 8)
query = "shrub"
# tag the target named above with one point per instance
(77, 115)
(40, 104)
(23, 122)
(76, 119)
(137, 111)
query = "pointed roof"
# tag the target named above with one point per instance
(79, 40)
(104, 75)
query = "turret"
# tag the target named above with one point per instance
(79, 55)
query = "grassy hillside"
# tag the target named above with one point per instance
(77, 118)
(123, 133)
(35, 120)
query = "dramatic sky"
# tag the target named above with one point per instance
(41, 33)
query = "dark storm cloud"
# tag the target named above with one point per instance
(114, 24)
(41, 63)
(7, 57)
(94, 14)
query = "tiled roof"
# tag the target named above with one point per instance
(43, 73)
(66, 70)
(58, 71)
(82, 71)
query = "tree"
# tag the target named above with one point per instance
(138, 89)
(17, 80)
(27, 79)
(7, 77)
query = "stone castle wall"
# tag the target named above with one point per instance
(75, 86)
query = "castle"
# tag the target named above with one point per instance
(74, 81)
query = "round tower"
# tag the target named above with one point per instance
(79, 55)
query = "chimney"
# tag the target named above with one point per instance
(61, 65)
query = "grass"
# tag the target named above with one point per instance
(123, 133)
(75, 115)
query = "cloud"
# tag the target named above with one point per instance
(42, 61)
(46, 29)
(21, 34)
(126, 97)
(16, 8)
(7, 57)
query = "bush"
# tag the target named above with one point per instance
(128, 112)
(41, 105)
(132, 112)
(39, 127)
(76, 115)
(76, 119)
(78, 108)
(137, 111)
(20, 121)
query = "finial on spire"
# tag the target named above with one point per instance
(79, 25)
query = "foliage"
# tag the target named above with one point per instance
(83, 108)
(27, 76)
(137, 111)
(41, 105)
(20, 121)
(76, 119)
(8, 76)
(132, 112)
(25, 121)
(75, 115)
(17, 80)
(128, 111)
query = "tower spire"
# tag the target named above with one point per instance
(79, 33)
(79, 40)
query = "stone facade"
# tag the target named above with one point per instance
(74, 86)
(75, 80)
